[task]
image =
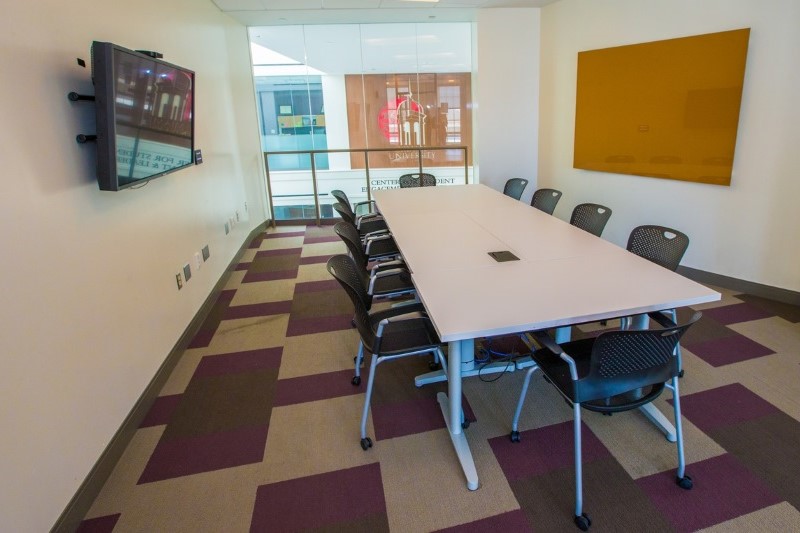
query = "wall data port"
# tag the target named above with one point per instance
(206, 253)
(179, 280)
(187, 272)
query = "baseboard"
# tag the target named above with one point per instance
(80, 504)
(749, 287)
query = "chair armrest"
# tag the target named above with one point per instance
(376, 238)
(368, 217)
(415, 315)
(370, 203)
(394, 263)
(383, 274)
(545, 340)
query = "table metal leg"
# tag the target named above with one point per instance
(649, 410)
(451, 409)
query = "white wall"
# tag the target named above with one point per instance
(90, 304)
(507, 95)
(748, 230)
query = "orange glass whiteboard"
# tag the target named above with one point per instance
(664, 109)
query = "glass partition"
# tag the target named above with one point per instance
(328, 93)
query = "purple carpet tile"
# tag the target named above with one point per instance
(545, 449)
(728, 350)
(319, 502)
(724, 406)
(206, 332)
(193, 455)
(314, 240)
(512, 521)
(242, 266)
(257, 240)
(406, 418)
(256, 310)
(735, 313)
(317, 286)
(314, 259)
(237, 362)
(101, 524)
(255, 277)
(314, 388)
(723, 489)
(324, 324)
(262, 254)
(161, 410)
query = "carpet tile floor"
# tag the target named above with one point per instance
(257, 428)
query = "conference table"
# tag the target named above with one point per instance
(563, 276)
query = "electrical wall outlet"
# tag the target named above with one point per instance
(197, 261)
(245, 207)
(187, 272)
(237, 215)
(179, 280)
(227, 228)
(206, 253)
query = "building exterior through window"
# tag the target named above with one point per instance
(404, 89)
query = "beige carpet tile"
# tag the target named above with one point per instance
(778, 517)
(249, 333)
(317, 353)
(323, 248)
(279, 290)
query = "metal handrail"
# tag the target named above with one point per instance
(366, 152)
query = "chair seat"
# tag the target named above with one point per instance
(557, 371)
(401, 336)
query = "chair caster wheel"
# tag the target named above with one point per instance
(434, 366)
(583, 522)
(684, 482)
(680, 374)
(353, 322)
(356, 381)
(465, 424)
(366, 443)
(514, 436)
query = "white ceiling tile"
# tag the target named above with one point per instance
(239, 5)
(291, 4)
(351, 4)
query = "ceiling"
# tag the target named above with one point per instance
(280, 12)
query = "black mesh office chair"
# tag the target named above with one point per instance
(590, 217)
(663, 246)
(388, 334)
(546, 200)
(515, 187)
(616, 371)
(417, 180)
(358, 209)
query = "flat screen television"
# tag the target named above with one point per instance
(145, 116)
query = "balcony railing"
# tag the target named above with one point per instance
(416, 154)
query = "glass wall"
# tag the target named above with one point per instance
(403, 89)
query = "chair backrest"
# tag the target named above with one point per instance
(590, 217)
(515, 187)
(349, 234)
(627, 360)
(345, 271)
(342, 198)
(546, 200)
(346, 214)
(661, 245)
(417, 180)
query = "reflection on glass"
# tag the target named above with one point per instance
(403, 89)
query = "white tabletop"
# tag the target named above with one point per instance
(564, 276)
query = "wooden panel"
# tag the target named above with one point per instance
(666, 109)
